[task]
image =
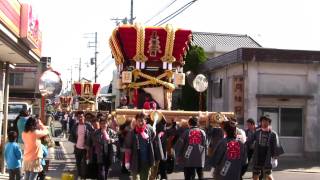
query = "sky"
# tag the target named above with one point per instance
(67, 25)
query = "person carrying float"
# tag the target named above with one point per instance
(139, 154)
(191, 150)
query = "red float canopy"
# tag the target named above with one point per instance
(157, 44)
(86, 89)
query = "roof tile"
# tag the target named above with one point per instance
(204, 39)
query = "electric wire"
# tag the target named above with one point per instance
(104, 60)
(159, 12)
(105, 66)
(174, 14)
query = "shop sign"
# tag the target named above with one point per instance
(10, 15)
(39, 45)
(29, 31)
(238, 97)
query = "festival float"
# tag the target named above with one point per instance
(86, 94)
(65, 103)
(149, 64)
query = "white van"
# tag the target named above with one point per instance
(14, 108)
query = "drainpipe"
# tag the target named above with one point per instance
(5, 113)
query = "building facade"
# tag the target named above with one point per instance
(24, 85)
(20, 43)
(283, 84)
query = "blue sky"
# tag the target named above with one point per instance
(287, 24)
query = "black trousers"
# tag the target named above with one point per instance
(15, 174)
(163, 169)
(81, 158)
(41, 175)
(244, 168)
(103, 170)
(190, 173)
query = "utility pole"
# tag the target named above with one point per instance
(79, 69)
(125, 20)
(70, 79)
(71, 82)
(94, 44)
(71, 76)
(95, 57)
(131, 13)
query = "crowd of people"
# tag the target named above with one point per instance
(152, 151)
(147, 150)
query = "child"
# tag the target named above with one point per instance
(13, 156)
(42, 174)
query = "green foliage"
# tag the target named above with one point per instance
(194, 58)
(190, 97)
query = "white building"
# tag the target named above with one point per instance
(283, 84)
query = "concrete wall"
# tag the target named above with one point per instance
(276, 79)
(312, 123)
(225, 103)
(282, 79)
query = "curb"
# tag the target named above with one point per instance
(4, 176)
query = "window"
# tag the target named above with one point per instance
(16, 108)
(291, 122)
(16, 79)
(285, 121)
(217, 89)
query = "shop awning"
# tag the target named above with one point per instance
(14, 51)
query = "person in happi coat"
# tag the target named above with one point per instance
(267, 149)
(191, 150)
(229, 156)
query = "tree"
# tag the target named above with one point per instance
(190, 97)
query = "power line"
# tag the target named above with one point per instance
(174, 14)
(105, 67)
(109, 61)
(104, 60)
(163, 9)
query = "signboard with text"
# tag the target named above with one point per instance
(238, 95)
(10, 15)
(29, 31)
(39, 45)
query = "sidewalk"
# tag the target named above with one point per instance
(4, 176)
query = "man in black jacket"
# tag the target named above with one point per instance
(79, 135)
(266, 151)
